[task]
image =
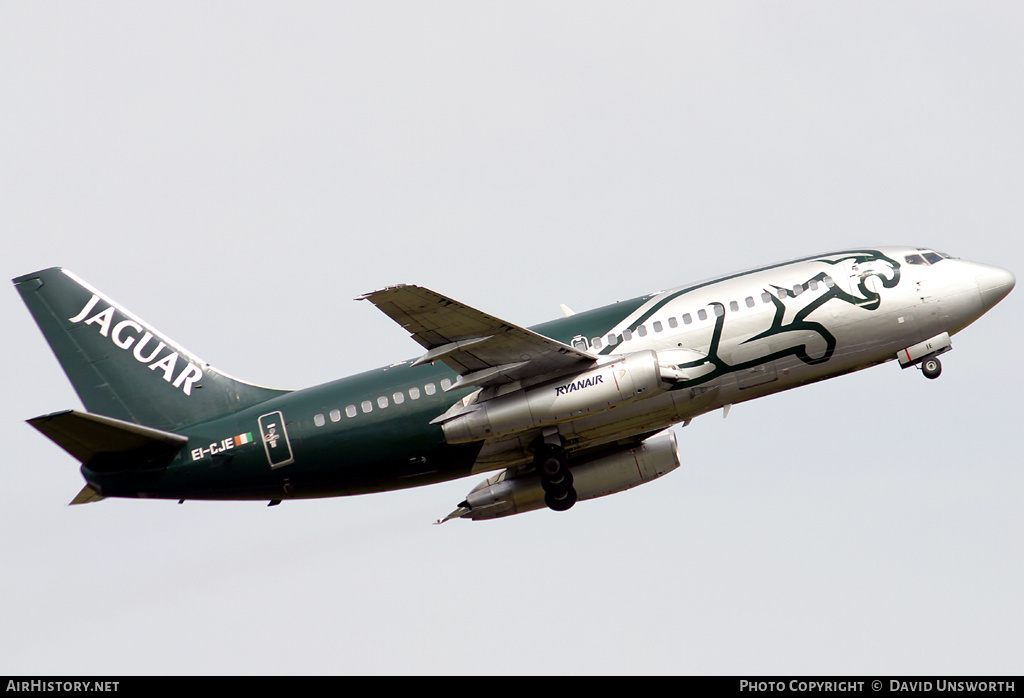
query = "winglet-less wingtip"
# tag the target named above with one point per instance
(370, 294)
(457, 514)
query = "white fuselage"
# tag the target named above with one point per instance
(755, 333)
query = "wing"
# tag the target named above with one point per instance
(482, 349)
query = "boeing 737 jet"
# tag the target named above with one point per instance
(568, 410)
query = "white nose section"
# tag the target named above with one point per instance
(994, 284)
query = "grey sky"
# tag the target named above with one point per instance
(236, 173)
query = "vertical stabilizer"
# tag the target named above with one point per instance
(123, 368)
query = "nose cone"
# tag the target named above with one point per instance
(994, 284)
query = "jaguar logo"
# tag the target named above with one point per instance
(789, 330)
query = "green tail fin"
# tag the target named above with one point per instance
(121, 367)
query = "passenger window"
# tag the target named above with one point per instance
(719, 310)
(596, 342)
(813, 284)
(766, 297)
(702, 314)
(797, 289)
(445, 384)
(829, 282)
(580, 344)
(750, 301)
(782, 294)
(335, 415)
(429, 389)
(642, 331)
(382, 402)
(687, 319)
(672, 322)
(350, 411)
(611, 340)
(398, 397)
(319, 420)
(734, 306)
(414, 393)
(367, 406)
(657, 326)
(626, 335)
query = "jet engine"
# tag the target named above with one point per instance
(624, 380)
(505, 495)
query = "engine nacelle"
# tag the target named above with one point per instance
(598, 389)
(501, 495)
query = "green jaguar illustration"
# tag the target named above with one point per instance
(790, 331)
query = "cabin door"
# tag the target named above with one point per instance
(275, 439)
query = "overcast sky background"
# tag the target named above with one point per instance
(237, 173)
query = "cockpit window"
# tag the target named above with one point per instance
(926, 257)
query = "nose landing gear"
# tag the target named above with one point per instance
(925, 355)
(931, 368)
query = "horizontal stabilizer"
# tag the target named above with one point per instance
(105, 443)
(88, 494)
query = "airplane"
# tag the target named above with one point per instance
(565, 411)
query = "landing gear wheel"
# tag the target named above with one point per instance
(558, 481)
(931, 368)
(560, 503)
(556, 478)
(552, 467)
